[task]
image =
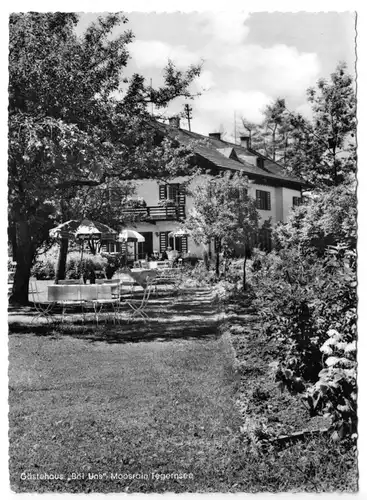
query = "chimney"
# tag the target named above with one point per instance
(245, 141)
(215, 135)
(174, 121)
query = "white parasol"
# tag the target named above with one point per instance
(130, 235)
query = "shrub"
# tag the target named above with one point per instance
(44, 267)
(308, 306)
(75, 268)
(328, 219)
(114, 262)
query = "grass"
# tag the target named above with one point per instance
(170, 397)
(315, 465)
(103, 406)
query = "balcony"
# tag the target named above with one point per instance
(156, 213)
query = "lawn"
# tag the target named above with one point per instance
(118, 412)
(167, 405)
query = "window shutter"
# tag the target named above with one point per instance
(162, 241)
(181, 196)
(268, 204)
(176, 193)
(162, 191)
(258, 199)
(184, 244)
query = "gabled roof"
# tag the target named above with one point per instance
(227, 156)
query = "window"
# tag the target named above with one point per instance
(178, 242)
(112, 247)
(172, 192)
(297, 201)
(263, 200)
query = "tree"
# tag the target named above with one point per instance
(66, 131)
(334, 126)
(321, 150)
(224, 212)
(272, 136)
(327, 219)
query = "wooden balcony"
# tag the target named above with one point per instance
(156, 213)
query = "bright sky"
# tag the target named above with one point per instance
(249, 59)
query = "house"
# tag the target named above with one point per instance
(166, 205)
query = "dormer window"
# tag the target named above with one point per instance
(260, 162)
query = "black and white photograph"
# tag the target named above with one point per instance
(182, 292)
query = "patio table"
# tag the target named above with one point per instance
(96, 295)
(77, 293)
(139, 276)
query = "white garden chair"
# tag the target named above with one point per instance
(108, 296)
(138, 306)
(43, 308)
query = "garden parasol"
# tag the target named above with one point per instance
(130, 235)
(84, 230)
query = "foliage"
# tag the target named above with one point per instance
(222, 211)
(335, 392)
(44, 268)
(45, 265)
(328, 218)
(301, 299)
(273, 135)
(67, 131)
(321, 150)
(114, 262)
(75, 268)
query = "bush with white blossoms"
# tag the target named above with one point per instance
(335, 393)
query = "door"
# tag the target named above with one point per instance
(146, 247)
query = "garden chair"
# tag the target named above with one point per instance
(43, 308)
(138, 306)
(168, 277)
(72, 299)
(107, 296)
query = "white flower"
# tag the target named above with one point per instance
(351, 347)
(326, 349)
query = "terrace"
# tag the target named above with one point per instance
(157, 213)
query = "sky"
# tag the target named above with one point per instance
(249, 59)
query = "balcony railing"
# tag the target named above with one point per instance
(156, 213)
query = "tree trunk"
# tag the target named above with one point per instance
(13, 241)
(24, 258)
(217, 248)
(61, 263)
(217, 263)
(244, 272)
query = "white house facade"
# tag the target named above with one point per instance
(166, 205)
